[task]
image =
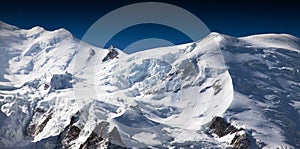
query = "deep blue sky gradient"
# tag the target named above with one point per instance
(235, 18)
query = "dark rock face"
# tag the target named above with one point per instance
(92, 141)
(95, 139)
(241, 139)
(70, 133)
(221, 127)
(34, 128)
(46, 86)
(113, 53)
(100, 139)
(73, 133)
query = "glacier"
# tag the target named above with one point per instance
(58, 92)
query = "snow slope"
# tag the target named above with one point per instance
(56, 91)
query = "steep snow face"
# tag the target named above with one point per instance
(151, 92)
(181, 87)
(57, 92)
(265, 73)
(35, 52)
(283, 41)
(34, 68)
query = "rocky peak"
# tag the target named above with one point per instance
(113, 53)
(241, 139)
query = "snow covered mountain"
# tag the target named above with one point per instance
(58, 92)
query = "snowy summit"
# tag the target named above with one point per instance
(222, 91)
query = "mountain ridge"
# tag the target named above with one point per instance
(255, 84)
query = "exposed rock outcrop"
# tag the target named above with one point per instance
(70, 133)
(99, 138)
(46, 86)
(113, 53)
(96, 138)
(221, 127)
(241, 139)
(35, 127)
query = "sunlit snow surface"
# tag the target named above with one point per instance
(158, 97)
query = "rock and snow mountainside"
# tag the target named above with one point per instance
(57, 92)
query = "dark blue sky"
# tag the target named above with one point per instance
(235, 18)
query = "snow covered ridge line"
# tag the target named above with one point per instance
(156, 98)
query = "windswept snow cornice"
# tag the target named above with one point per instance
(283, 41)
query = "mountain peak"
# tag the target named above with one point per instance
(162, 97)
(272, 35)
(6, 26)
(284, 41)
